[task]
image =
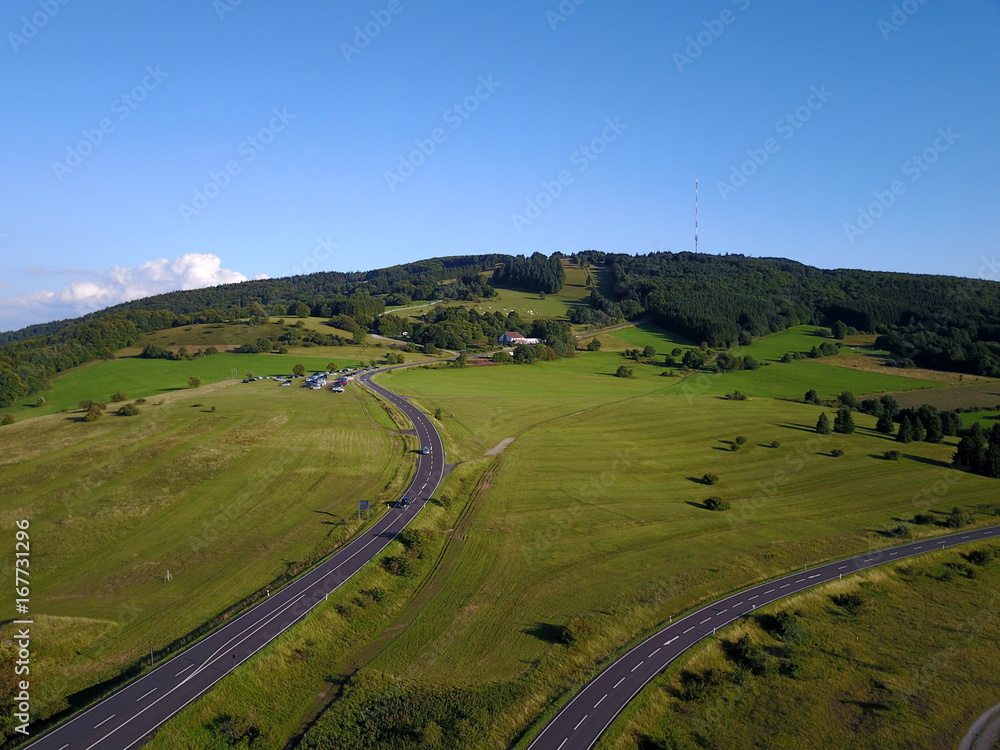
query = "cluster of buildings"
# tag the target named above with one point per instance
(513, 338)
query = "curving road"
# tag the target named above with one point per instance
(579, 724)
(128, 717)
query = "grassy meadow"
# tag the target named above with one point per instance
(224, 487)
(592, 514)
(905, 670)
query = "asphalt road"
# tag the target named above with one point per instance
(580, 723)
(127, 718)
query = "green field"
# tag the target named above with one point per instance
(650, 334)
(591, 512)
(149, 378)
(225, 487)
(907, 670)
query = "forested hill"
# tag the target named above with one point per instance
(938, 321)
(401, 283)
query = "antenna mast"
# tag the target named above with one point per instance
(696, 214)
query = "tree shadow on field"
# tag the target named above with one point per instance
(701, 506)
(547, 632)
(928, 461)
(800, 427)
(696, 480)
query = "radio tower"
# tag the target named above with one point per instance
(696, 214)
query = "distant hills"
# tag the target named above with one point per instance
(932, 321)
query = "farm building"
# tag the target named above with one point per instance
(513, 338)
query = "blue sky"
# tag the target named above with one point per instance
(172, 144)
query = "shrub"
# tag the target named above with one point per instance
(775, 443)
(398, 565)
(594, 345)
(740, 440)
(6, 419)
(836, 453)
(980, 556)
(709, 479)
(376, 594)
(791, 628)
(413, 540)
(85, 404)
(94, 413)
(128, 410)
(118, 396)
(891, 455)
(716, 503)
(958, 518)
(576, 631)
(811, 397)
(852, 602)
(140, 401)
(902, 531)
(736, 396)
(194, 381)
(922, 519)
(40, 401)
(624, 372)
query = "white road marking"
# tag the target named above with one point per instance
(705, 620)
(893, 553)
(753, 597)
(184, 670)
(800, 580)
(600, 701)
(580, 722)
(689, 629)
(785, 586)
(918, 546)
(841, 567)
(64, 746)
(105, 721)
(768, 592)
(816, 575)
(637, 666)
(653, 654)
(562, 743)
(723, 610)
(145, 694)
(671, 640)
(619, 683)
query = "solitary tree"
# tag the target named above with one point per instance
(811, 396)
(298, 370)
(648, 351)
(844, 421)
(194, 381)
(624, 372)
(594, 345)
(823, 424)
(331, 366)
(675, 352)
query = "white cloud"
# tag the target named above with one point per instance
(191, 271)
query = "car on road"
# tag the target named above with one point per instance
(404, 502)
(425, 450)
